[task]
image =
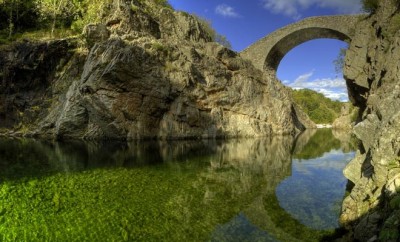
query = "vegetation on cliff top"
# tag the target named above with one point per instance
(319, 108)
(215, 36)
(47, 19)
(43, 19)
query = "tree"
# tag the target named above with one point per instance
(56, 10)
(339, 61)
(90, 11)
(11, 7)
(19, 15)
(370, 6)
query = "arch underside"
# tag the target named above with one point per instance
(284, 45)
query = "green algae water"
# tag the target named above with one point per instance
(278, 189)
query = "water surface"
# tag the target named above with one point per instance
(278, 189)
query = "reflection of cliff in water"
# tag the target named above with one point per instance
(320, 142)
(243, 166)
(233, 182)
(264, 212)
(348, 142)
(41, 158)
(245, 170)
(302, 140)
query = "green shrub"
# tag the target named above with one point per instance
(214, 36)
(392, 29)
(90, 11)
(395, 202)
(134, 8)
(390, 230)
(163, 3)
(370, 6)
(389, 235)
(158, 46)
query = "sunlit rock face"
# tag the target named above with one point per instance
(145, 74)
(345, 121)
(373, 71)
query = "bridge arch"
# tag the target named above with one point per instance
(267, 53)
(286, 44)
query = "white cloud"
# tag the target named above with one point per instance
(320, 83)
(287, 7)
(303, 81)
(226, 11)
(334, 95)
(303, 78)
(293, 8)
(331, 88)
(343, 7)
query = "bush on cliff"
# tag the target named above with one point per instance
(370, 6)
(221, 39)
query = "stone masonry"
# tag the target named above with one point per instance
(269, 51)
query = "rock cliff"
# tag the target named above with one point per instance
(147, 71)
(372, 72)
(345, 120)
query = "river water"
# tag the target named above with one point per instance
(278, 189)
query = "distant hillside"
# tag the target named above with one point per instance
(319, 108)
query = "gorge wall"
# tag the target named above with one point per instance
(145, 72)
(372, 68)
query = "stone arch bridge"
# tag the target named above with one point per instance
(267, 53)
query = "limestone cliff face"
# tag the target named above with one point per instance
(372, 72)
(147, 72)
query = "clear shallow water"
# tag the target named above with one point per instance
(279, 189)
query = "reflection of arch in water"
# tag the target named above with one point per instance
(255, 159)
(266, 213)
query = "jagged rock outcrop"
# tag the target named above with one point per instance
(372, 71)
(148, 72)
(344, 121)
(28, 71)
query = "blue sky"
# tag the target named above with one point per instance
(245, 22)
